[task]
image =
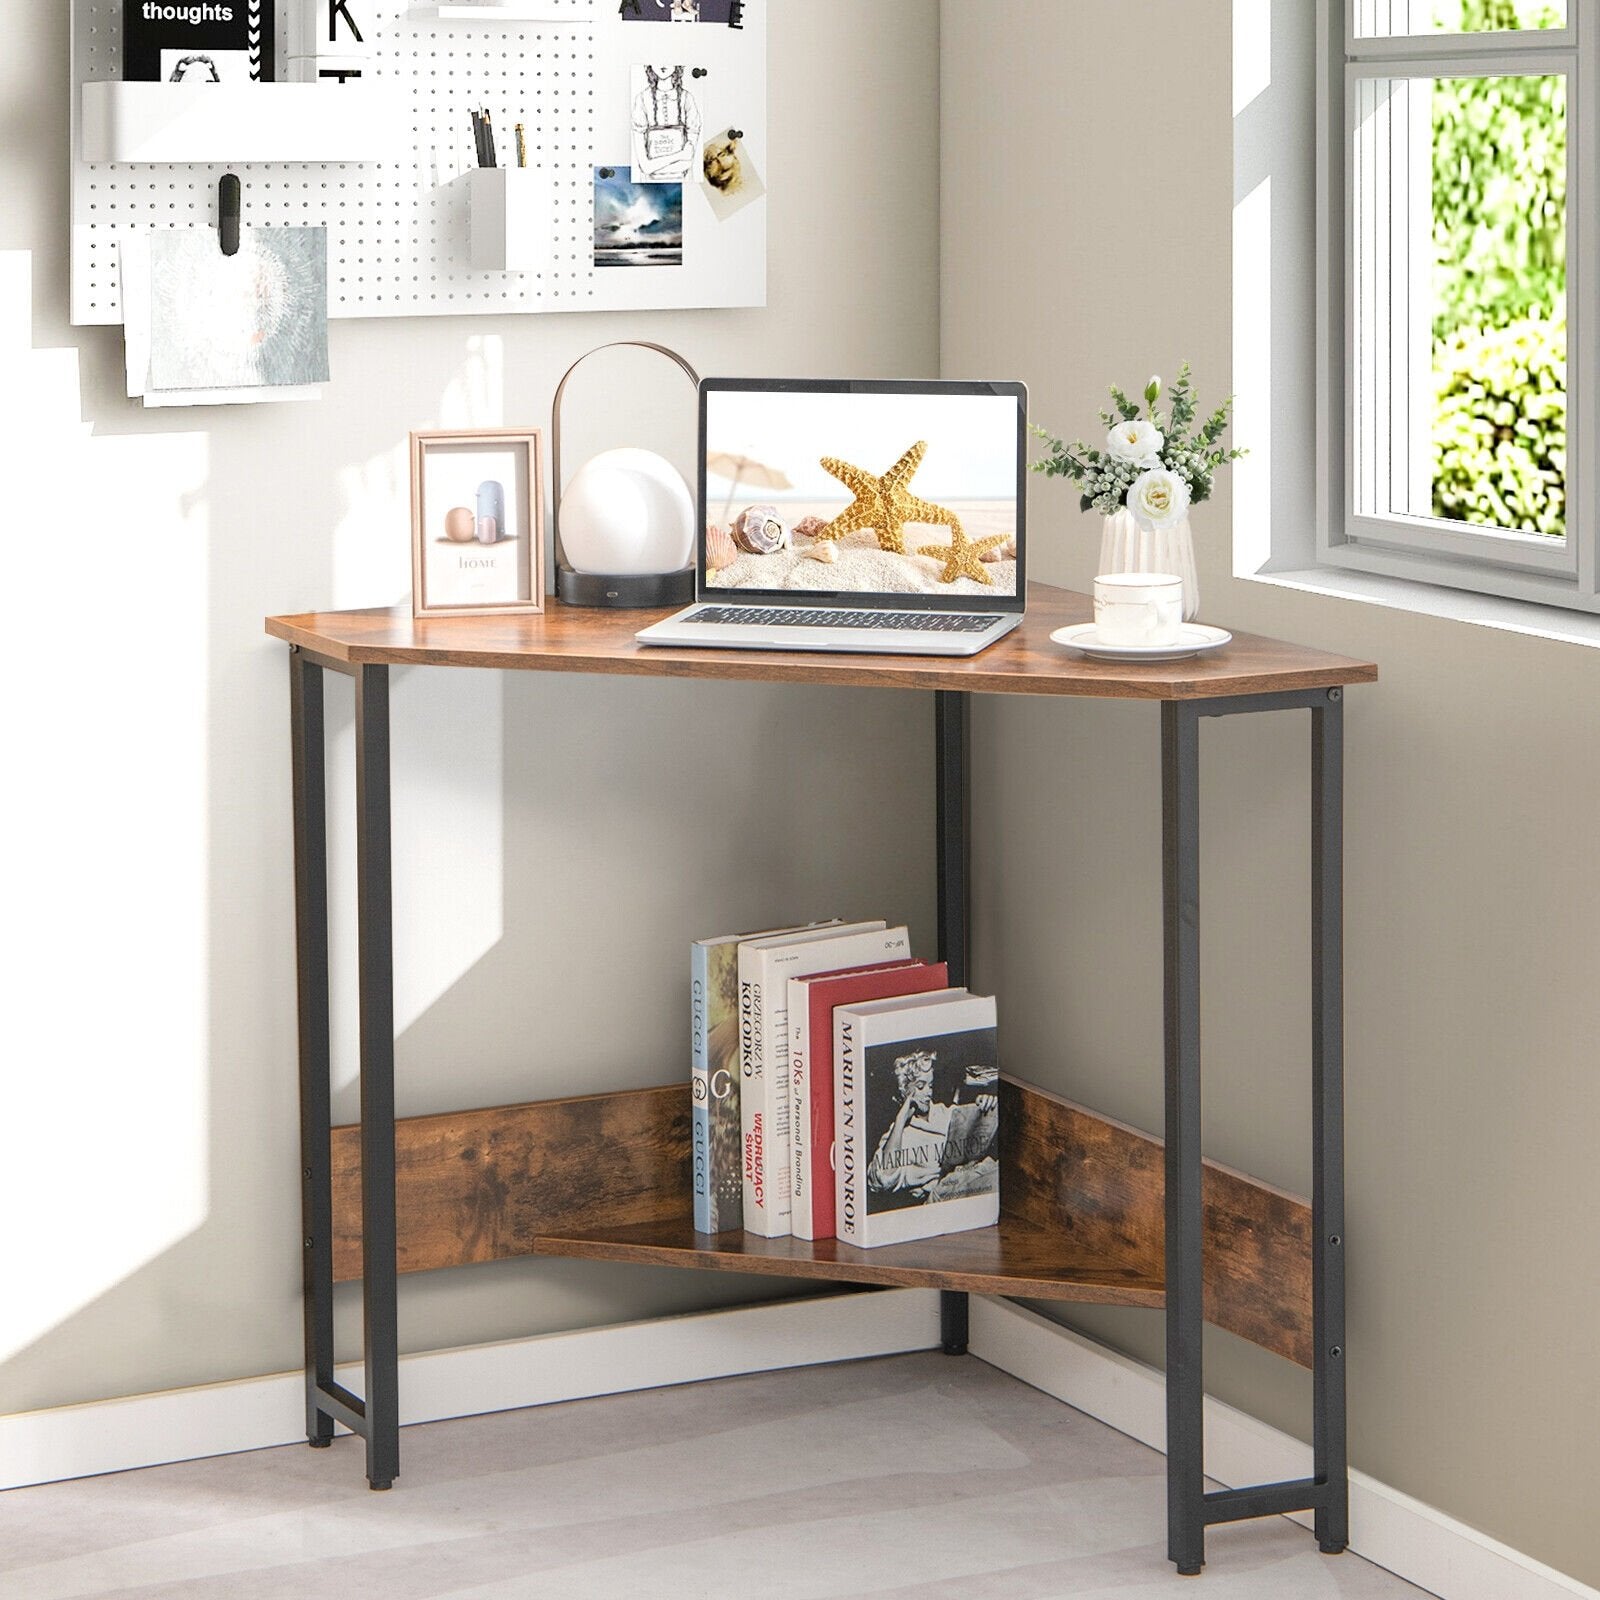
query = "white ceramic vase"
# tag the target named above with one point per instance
(1126, 547)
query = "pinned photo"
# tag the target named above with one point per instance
(668, 114)
(731, 179)
(636, 224)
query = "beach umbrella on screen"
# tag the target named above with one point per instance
(744, 469)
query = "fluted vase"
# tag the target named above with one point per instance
(1126, 547)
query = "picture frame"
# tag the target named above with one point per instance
(477, 522)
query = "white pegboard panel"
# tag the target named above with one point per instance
(398, 231)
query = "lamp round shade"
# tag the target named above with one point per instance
(627, 512)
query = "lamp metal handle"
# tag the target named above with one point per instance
(555, 411)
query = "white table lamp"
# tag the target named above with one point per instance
(625, 525)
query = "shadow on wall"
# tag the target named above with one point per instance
(556, 842)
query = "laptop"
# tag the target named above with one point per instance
(857, 516)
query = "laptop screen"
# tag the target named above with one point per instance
(880, 494)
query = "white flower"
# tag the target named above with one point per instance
(1158, 499)
(1138, 441)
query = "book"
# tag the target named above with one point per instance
(811, 1004)
(198, 41)
(714, 1075)
(917, 1112)
(765, 968)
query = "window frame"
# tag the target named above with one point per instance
(1510, 564)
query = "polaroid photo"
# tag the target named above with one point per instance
(731, 181)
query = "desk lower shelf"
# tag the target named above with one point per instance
(1015, 1258)
(607, 1177)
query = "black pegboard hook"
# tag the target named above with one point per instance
(230, 197)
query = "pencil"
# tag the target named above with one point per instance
(522, 146)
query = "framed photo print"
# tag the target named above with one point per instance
(477, 523)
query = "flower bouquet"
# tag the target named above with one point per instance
(1152, 470)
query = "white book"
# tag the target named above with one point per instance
(916, 1117)
(765, 968)
(714, 1074)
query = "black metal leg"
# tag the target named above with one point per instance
(953, 840)
(311, 946)
(953, 1307)
(1190, 1510)
(951, 736)
(376, 918)
(1332, 1517)
(1180, 795)
(376, 1416)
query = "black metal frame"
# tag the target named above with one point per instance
(376, 1416)
(953, 848)
(1190, 1509)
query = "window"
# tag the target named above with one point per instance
(1458, 207)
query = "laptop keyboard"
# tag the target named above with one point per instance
(812, 617)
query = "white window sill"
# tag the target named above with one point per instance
(1432, 600)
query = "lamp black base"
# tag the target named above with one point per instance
(625, 592)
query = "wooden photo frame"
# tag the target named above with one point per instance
(477, 522)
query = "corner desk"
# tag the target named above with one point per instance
(1092, 1210)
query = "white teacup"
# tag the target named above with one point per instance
(1134, 609)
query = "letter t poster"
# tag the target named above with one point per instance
(197, 41)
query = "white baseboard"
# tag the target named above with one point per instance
(253, 1414)
(1410, 1539)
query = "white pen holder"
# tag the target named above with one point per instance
(510, 219)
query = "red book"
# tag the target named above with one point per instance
(811, 1003)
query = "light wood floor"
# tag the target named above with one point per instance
(915, 1478)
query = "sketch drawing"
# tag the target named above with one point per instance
(667, 117)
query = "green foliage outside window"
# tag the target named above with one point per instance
(1500, 429)
(1500, 284)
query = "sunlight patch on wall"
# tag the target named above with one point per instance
(372, 538)
(104, 999)
(476, 397)
(1252, 378)
(1252, 51)
(448, 845)
(371, 558)
(446, 752)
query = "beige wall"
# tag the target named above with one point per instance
(1086, 236)
(1085, 241)
(558, 841)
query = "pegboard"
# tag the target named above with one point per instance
(399, 231)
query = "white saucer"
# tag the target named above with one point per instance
(1194, 639)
